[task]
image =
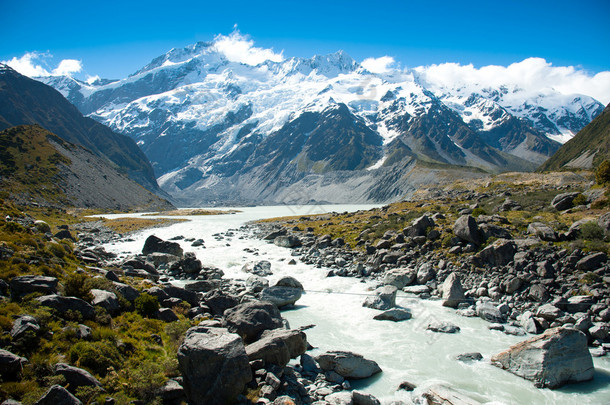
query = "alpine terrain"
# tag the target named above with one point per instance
(219, 130)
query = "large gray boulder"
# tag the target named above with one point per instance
(564, 201)
(466, 228)
(490, 312)
(439, 394)
(287, 241)
(105, 299)
(22, 285)
(278, 346)
(10, 365)
(499, 253)
(552, 359)
(256, 283)
(399, 278)
(128, 292)
(63, 304)
(347, 364)
(154, 244)
(251, 318)
(452, 291)
(219, 301)
(383, 299)
(24, 324)
(419, 226)
(281, 296)
(214, 365)
(76, 377)
(288, 281)
(58, 395)
(395, 315)
(182, 294)
(543, 231)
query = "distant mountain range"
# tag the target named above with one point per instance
(319, 129)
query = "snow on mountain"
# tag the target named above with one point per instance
(197, 112)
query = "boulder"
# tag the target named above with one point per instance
(289, 281)
(466, 228)
(64, 234)
(172, 393)
(219, 301)
(182, 294)
(425, 273)
(552, 359)
(154, 244)
(494, 231)
(399, 278)
(214, 365)
(361, 398)
(384, 298)
(166, 315)
(278, 346)
(489, 312)
(58, 395)
(106, 299)
(23, 325)
(10, 365)
(140, 265)
(468, 357)
(591, 262)
(443, 327)
(549, 312)
(287, 241)
(22, 285)
(281, 296)
(452, 291)
(63, 304)
(439, 394)
(419, 226)
(394, 314)
(579, 303)
(563, 201)
(499, 253)
(601, 332)
(76, 377)
(251, 318)
(543, 231)
(261, 268)
(538, 292)
(347, 364)
(529, 323)
(256, 283)
(128, 292)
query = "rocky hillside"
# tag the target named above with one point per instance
(40, 168)
(587, 149)
(207, 122)
(24, 101)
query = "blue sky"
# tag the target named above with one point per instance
(114, 38)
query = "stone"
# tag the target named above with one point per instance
(394, 314)
(281, 296)
(287, 241)
(489, 312)
(339, 398)
(256, 283)
(23, 325)
(512, 285)
(58, 395)
(539, 293)
(171, 392)
(251, 318)
(468, 357)
(552, 359)
(601, 332)
(11, 365)
(591, 262)
(419, 226)
(261, 268)
(361, 398)
(439, 394)
(154, 244)
(579, 303)
(64, 234)
(406, 386)
(529, 323)
(563, 201)
(166, 315)
(182, 294)
(219, 301)
(549, 312)
(278, 346)
(64, 304)
(425, 273)
(466, 228)
(499, 253)
(417, 289)
(443, 327)
(347, 364)
(128, 292)
(288, 281)
(23, 285)
(190, 264)
(140, 265)
(214, 365)
(76, 377)
(543, 231)
(452, 291)
(399, 278)
(384, 298)
(42, 226)
(105, 299)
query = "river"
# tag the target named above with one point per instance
(405, 351)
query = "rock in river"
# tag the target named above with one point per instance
(347, 364)
(557, 357)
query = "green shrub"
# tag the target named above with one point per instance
(602, 173)
(591, 231)
(146, 304)
(76, 285)
(580, 199)
(96, 356)
(478, 212)
(145, 380)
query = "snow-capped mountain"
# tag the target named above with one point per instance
(219, 128)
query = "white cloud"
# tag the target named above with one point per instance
(238, 48)
(378, 65)
(92, 79)
(535, 75)
(33, 64)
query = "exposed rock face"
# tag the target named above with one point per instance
(466, 228)
(563, 201)
(154, 244)
(347, 364)
(22, 285)
(23, 324)
(251, 318)
(214, 365)
(76, 377)
(58, 395)
(10, 365)
(278, 346)
(105, 299)
(557, 357)
(453, 293)
(499, 253)
(543, 231)
(63, 304)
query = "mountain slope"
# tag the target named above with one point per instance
(587, 149)
(27, 101)
(38, 166)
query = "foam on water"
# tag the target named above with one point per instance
(404, 350)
